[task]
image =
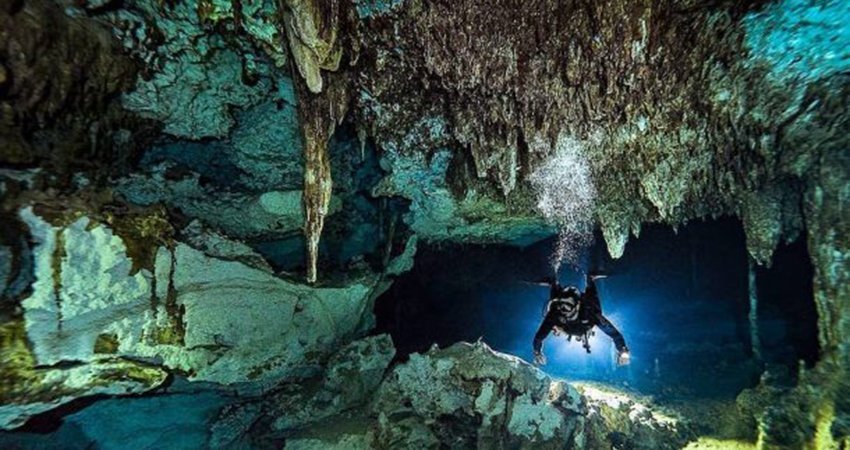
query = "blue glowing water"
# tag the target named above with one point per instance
(680, 300)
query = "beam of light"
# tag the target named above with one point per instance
(568, 359)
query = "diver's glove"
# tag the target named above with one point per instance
(539, 359)
(624, 357)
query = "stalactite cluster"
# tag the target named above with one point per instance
(60, 80)
(159, 158)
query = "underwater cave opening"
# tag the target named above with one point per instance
(680, 298)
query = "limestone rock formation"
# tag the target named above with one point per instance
(214, 244)
(618, 419)
(436, 214)
(469, 396)
(59, 82)
(682, 109)
(213, 319)
(313, 31)
(94, 304)
(649, 98)
(350, 379)
(236, 214)
(194, 77)
(29, 388)
(267, 145)
(15, 262)
(178, 420)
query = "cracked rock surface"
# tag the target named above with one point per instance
(164, 160)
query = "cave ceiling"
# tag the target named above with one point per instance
(174, 140)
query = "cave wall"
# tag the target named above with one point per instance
(681, 109)
(60, 85)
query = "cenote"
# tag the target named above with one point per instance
(425, 224)
(681, 298)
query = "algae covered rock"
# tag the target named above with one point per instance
(311, 412)
(212, 319)
(616, 419)
(470, 396)
(28, 389)
(236, 214)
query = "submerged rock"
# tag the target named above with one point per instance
(173, 421)
(469, 396)
(266, 145)
(213, 319)
(60, 80)
(218, 246)
(28, 388)
(616, 419)
(15, 261)
(236, 214)
(195, 77)
(436, 214)
(682, 109)
(313, 31)
(351, 378)
(680, 116)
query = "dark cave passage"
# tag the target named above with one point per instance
(680, 299)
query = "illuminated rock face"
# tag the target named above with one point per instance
(466, 395)
(485, 399)
(672, 106)
(211, 319)
(681, 109)
(493, 400)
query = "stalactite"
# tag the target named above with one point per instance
(755, 341)
(317, 33)
(388, 245)
(312, 28)
(319, 115)
(317, 193)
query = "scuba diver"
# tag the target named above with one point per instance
(574, 314)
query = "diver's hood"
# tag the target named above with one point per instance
(568, 292)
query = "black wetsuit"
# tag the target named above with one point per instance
(589, 315)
